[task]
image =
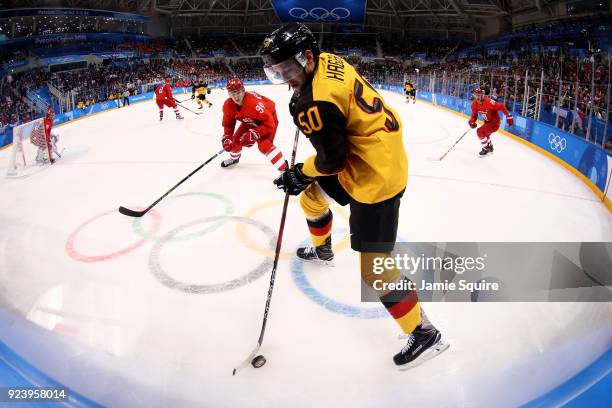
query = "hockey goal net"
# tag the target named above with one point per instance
(31, 150)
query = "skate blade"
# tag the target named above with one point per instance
(438, 348)
(318, 261)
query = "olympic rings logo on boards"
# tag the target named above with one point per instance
(320, 14)
(557, 143)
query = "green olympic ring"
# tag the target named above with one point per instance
(229, 209)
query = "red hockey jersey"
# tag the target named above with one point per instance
(256, 111)
(163, 92)
(488, 110)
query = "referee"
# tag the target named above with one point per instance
(126, 97)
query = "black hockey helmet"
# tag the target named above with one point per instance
(283, 51)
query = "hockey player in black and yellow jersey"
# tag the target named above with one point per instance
(409, 91)
(201, 88)
(360, 161)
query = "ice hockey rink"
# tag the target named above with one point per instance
(156, 312)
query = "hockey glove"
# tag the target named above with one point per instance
(510, 120)
(192, 96)
(472, 123)
(249, 138)
(227, 142)
(293, 103)
(293, 181)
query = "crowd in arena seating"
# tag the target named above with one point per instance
(430, 48)
(98, 83)
(248, 68)
(249, 44)
(211, 71)
(577, 83)
(574, 84)
(14, 109)
(211, 46)
(351, 44)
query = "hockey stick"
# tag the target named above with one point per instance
(451, 148)
(279, 242)
(132, 213)
(186, 100)
(186, 108)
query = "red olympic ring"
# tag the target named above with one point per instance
(74, 254)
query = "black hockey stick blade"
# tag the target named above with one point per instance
(137, 214)
(132, 213)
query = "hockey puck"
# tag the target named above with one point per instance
(258, 361)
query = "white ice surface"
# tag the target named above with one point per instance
(154, 345)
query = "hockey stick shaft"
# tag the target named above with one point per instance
(133, 213)
(455, 144)
(186, 100)
(186, 108)
(279, 242)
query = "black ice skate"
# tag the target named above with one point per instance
(229, 162)
(423, 344)
(200, 107)
(178, 116)
(486, 150)
(322, 254)
(161, 116)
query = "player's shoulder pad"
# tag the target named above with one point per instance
(333, 80)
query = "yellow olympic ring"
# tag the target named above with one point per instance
(242, 235)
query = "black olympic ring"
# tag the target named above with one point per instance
(320, 14)
(166, 280)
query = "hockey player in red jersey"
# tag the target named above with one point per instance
(259, 122)
(163, 96)
(488, 109)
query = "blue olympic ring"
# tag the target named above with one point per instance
(302, 282)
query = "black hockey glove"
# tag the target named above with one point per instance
(292, 180)
(293, 103)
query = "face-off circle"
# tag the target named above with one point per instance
(166, 280)
(76, 255)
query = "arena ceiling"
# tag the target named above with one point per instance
(436, 17)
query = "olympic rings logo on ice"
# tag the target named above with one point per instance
(557, 143)
(320, 14)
